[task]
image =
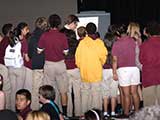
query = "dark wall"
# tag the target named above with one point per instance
(123, 11)
(15, 11)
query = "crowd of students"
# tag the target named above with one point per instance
(77, 77)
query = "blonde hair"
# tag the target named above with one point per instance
(38, 115)
(133, 29)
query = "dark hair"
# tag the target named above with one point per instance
(122, 29)
(91, 28)
(71, 18)
(24, 92)
(93, 114)
(14, 37)
(113, 29)
(54, 20)
(109, 40)
(153, 28)
(48, 92)
(6, 28)
(1, 82)
(97, 34)
(22, 25)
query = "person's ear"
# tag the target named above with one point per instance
(28, 102)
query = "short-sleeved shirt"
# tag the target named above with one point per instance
(54, 43)
(3, 45)
(124, 50)
(150, 60)
(24, 50)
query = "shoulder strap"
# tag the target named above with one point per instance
(52, 103)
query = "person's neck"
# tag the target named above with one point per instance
(25, 109)
(46, 101)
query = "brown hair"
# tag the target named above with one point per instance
(71, 18)
(81, 31)
(48, 92)
(41, 23)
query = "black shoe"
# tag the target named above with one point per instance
(141, 104)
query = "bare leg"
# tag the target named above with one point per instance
(135, 96)
(113, 103)
(105, 103)
(121, 97)
(127, 99)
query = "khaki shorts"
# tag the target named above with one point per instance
(109, 86)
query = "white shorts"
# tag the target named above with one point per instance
(128, 76)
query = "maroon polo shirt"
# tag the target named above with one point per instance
(70, 63)
(24, 50)
(150, 60)
(3, 45)
(124, 50)
(54, 43)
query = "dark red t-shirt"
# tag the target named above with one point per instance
(24, 50)
(124, 50)
(54, 43)
(3, 45)
(150, 60)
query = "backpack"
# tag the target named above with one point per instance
(13, 56)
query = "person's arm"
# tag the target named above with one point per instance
(61, 116)
(26, 57)
(2, 100)
(114, 68)
(138, 64)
